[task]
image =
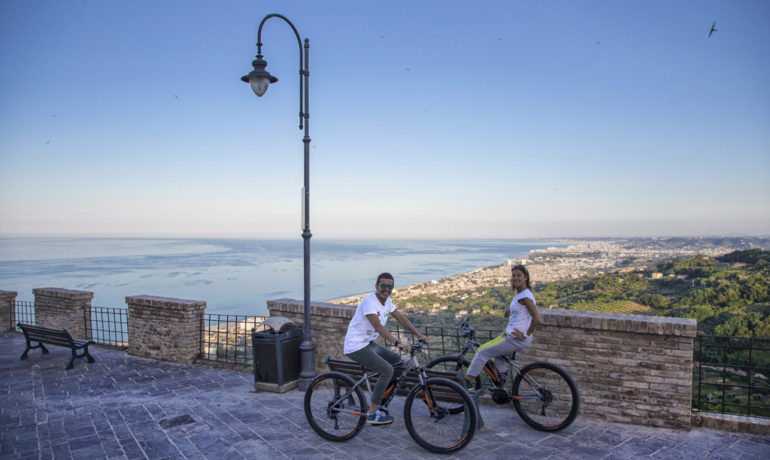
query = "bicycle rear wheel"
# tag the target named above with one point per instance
(334, 409)
(430, 421)
(545, 397)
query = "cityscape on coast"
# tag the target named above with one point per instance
(579, 258)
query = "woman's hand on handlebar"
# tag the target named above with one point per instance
(403, 346)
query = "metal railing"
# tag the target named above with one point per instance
(24, 312)
(104, 325)
(732, 375)
(444, 340)
(227, 338)
(108, 326)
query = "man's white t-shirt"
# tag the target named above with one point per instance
(360, 330)
(520, 318)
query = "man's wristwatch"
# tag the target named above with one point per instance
(397, 342)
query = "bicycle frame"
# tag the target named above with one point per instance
(472, 345)
(390, 391)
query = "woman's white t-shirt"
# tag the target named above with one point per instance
(360, 330)
(520, 318)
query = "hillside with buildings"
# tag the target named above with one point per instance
(585, 275)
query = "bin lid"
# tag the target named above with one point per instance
(278, 324)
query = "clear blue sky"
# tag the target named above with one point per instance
(437, 119)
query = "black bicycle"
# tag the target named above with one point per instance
(543, 394)
(336, 408)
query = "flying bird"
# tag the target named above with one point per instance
(713, 29)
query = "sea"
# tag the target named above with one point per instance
(238, 276)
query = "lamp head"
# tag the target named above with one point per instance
(259, 78)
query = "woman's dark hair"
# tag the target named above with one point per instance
(523, 269)
(386, 276)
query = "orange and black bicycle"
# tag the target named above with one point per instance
(439, 413)
(543, 394)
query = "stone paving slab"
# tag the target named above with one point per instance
(125, 407)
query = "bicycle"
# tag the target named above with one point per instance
(336, 408)
(543, 394)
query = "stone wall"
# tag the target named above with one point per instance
(164, 328)
(64, 309)
(7, 310)
(628, 369)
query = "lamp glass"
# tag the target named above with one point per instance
(259, 85)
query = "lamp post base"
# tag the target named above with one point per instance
(307, 358)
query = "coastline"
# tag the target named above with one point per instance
(578, 258)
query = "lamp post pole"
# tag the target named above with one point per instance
(260, 80)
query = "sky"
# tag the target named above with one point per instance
(428, 119)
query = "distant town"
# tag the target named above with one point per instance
(579, 258)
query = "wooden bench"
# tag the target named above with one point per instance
(356, 371)
(51, 336)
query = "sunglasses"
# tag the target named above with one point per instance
(386, 286)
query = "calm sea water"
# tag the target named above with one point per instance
(237, 276)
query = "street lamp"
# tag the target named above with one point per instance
(260, 80)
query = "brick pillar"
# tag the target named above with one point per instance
(7, 310)
(165, 329)
(64, 309)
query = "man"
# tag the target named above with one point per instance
(367, 324)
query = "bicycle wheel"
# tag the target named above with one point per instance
(451, 363)
(545, 397)
(431, 423)
(334, 409)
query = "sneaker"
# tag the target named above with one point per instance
(379, 418)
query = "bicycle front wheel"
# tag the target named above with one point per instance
(545, 397)
(430, 421)
(334, 408)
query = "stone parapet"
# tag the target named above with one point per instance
(165, 328)
(64, 309)
(7, 310)
(734, 423)
(628, 368)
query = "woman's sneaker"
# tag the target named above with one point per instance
(379, 418)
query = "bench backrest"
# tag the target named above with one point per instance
(47, 335)
(356, 371)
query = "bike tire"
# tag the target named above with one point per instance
(342, 421)
(431, 423)
(545, 397)
(452, 363)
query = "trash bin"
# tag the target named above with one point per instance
(276, 354)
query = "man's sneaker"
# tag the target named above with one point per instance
(379, 418)
(502, 377)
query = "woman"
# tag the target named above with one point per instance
(523, 320)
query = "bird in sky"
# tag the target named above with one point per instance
(713, 29)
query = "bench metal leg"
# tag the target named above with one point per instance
(85, 354)
(30, 347)
(88, 355)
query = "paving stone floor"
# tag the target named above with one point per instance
(126, 407)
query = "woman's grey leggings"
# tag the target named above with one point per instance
(378, 359)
